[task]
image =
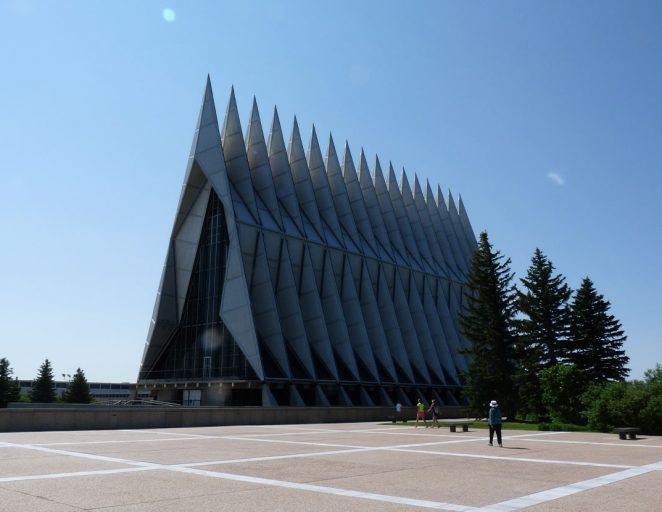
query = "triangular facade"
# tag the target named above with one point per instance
(297, 279)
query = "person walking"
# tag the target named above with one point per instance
(420, 413)
(494, 422)
(435, 413)
(398, 412)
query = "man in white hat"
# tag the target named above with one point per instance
(494, 422)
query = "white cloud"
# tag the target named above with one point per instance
(556, 178)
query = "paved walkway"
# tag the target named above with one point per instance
(326, 468)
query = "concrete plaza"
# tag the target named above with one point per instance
(364, 466)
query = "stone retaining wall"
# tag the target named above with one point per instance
(106, 418)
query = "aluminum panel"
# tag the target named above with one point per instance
(289, 309)
(260, 168)
(281, 172)
(303, 183)
(415, 224)
(423, 331)
(236, 161)
(441, 234)
(357, 201)
(356, 328)
(339, 193)
(408, 330)
(454, 216)
(403, 222)
(388, 215)
(320, 181)
(335, 319)
(458, 252)
(438, 334)
(372, 207)
(426, 225)
(374, 326)
(265, 311)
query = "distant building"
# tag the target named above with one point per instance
(100, 391)
(297, 279)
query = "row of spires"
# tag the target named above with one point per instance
(262, 183)
(436, 232)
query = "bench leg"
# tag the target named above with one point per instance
(621, 435)
(633, 435)
(465, 428)
(452, 427)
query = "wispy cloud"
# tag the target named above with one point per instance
(556, 178)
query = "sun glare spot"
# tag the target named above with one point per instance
(169, 15)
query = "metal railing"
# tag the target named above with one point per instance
(124, 403)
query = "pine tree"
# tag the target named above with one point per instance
(596, 337)
(9, 388)
(487, 321)
(543, 331)
(78, 391)
(43, 387)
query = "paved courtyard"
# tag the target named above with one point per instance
(326, 467)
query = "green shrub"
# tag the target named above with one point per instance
(626, 404)
(562, 427)
(562, 387)
(651, 416)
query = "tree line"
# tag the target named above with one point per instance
(43, 386)
(543, 351)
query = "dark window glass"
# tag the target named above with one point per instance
(201, 347)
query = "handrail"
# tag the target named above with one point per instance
(123, 403)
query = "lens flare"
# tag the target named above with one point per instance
(211, 339)
(169, 15)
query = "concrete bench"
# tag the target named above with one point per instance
(454, 424)
(630, 432)
(394, 418)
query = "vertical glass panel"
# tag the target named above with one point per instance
(201, 348)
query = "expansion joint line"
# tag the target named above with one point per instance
(505, 506)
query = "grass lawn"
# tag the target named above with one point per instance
(475, 424)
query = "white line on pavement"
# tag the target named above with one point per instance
(149, 431)
(567, 490)
(329, 490)
(516, 459)
(244, 478)
(626, 444)
(123, 441)
(510, 505)
(74, 473)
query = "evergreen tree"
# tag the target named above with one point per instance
(43, 387)
(78, 391)
(487, 321)
(543, 330)
(9, 388)
(596, 337)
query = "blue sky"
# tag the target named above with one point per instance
(545, 116)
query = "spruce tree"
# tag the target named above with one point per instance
(596, 337)
(543, 330)
(487, 321)
(78, 391)
(9, 388)
(43, 387)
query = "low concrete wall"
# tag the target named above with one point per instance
(108, 418)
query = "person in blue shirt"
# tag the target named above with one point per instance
(494, 422)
